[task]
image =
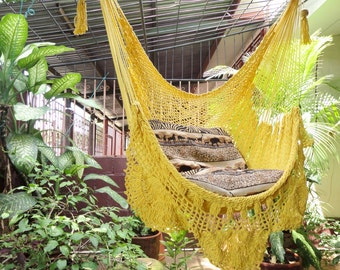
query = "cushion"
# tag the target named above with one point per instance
(233, 183)
(208, 158)
(190, 147)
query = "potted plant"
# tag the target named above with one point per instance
(146, 238)
(176, 244)
(293, 251)
(23, 80)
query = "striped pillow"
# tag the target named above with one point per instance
(190, 147)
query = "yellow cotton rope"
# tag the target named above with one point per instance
(305, 38)
(232, 231)
(80, 20)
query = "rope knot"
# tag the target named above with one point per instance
(304, 13)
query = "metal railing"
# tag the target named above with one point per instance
(98, 136)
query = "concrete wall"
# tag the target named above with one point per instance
(329, 190)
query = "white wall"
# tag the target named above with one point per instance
(231, 48)
(329, 190)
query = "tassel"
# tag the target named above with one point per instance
(305, 38)
(80, 20)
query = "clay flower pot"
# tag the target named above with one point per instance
(150, 244)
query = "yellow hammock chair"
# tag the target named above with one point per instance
(232, 231)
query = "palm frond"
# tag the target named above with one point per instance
(325, 144)
(219, 71)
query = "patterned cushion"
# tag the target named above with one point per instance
(189, 147)
(208, 158)
(235, 182)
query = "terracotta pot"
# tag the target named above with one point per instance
(297, 265)
(150, 244)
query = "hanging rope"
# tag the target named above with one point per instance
(305, 38)
(80, 20)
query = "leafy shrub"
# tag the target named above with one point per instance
(65, 229)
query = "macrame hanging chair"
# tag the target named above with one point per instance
(232, 231)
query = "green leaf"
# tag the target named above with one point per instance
(45, 222)
(23, 151)
(114, 195)
(13, 35)
(65, 250)
(20, 82)
(100, 230)
(77, 236)
(92, 162)
(61, 84)
(102, 177)
(89, 265)
(79, 159)
(37, 75)
(41, 89)
(13, 204)
(122, 234)
(48, 153)
(23, 226)
(308, 252)
(42, 233)
(66, 183)
(88, 102)
(336, 260)
(81, 218)
(28, 49)
(276, 242)
(55, 231)
(61, 264)
(4, 215)
(65, 160)
(42, 52)
(51, 245)
(75, 169)
(94, 241)
(24, 112)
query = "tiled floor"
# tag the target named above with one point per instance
(199, 262)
